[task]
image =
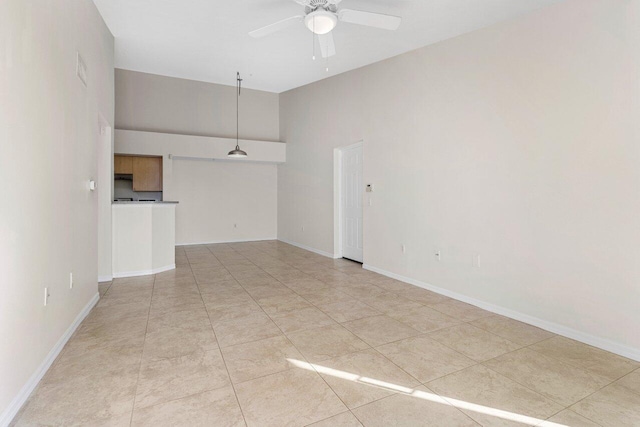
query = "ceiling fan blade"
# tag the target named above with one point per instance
(378, 20)
(327, 45)
(280, 25)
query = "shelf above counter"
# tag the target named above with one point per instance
(140, 143)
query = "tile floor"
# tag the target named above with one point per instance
(266, 334)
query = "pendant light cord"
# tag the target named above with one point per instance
(239, 84)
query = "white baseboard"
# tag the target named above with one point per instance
(226, 241)
(104, 279)
(310, 249)
(7, 415)
(602, 343)
(143, 272)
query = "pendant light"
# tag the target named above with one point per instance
(237, 152)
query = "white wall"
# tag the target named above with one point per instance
(214, 195)
(49, 134)
(518, 142)
(158, 115)
(147, 102)
(224, 201)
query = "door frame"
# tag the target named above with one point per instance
(104, 178)
(337, 196)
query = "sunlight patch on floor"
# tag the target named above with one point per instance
(460, 404)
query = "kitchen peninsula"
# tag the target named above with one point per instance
(144, 237)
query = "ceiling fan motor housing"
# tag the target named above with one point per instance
(314, 5)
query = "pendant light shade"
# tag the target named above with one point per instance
(237, 152)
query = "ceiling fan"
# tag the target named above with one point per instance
(322, 16)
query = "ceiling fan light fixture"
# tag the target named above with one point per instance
(321, 22)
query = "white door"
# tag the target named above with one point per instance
(352, 203)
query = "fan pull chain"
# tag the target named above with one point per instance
(313, 38)
(327, 62)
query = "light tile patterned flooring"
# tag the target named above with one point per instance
(266, 334)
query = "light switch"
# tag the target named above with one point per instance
(81, 69)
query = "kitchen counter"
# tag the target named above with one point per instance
(144, 238)
(134, 202)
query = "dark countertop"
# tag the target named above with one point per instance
(142, 203)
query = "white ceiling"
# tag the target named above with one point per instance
(207, 40)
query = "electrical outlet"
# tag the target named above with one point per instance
(438, 255)
(70, 280)
(46, 296)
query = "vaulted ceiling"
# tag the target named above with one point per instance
(208, 40)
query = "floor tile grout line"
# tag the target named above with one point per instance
(325, 419)
(305, 358)
(465, 322)
(459, 409)
(568, 409)
(340, 323)
(235, 393)
(184, 397)
(492, 333)
(562, 406)
(135, 393)
(403, 370)
(560, 361)
(425, 305)
(524, 385)
(448, 399)
(471, 322)
(591, 394)
(575, 365)
(370, 348)
(247, 342)
(395, 394)
(426, 383)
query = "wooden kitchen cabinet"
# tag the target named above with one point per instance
(147, 173)
(123, 165)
